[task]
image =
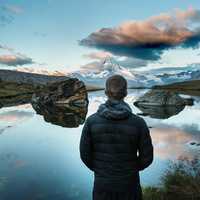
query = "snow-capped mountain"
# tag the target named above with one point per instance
(179, 77)
(163, 76)
(97, 75)
(107, 68)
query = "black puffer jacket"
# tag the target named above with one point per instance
(116, 145)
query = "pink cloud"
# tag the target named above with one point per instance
(147, 39)
(15, 60)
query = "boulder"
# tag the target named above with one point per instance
(160, 98)
(194, 144)
(189, 101)
(62, 103)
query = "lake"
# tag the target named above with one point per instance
(40, 160)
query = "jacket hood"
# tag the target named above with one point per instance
(114, 109)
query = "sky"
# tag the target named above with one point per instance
(70, 34)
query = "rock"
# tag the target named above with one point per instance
(62, 103)
(189, 101)
(160, 98)
(66, 93)
(194, 144)
(61, 116)
(18, 88)
(160, 112)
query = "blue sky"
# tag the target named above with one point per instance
(48, 31)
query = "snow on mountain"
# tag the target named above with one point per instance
(192, 74)
(42, 71)
(108, 68)
(97, 76)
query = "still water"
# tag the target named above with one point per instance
(40, 160)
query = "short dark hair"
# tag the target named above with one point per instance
(116, 87)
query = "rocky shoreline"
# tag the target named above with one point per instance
(18, 87)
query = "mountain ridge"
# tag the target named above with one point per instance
(97, 76)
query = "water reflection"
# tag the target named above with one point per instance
(159, 112)
(15, 116)
(65, 116)
(170, 143)
(15, 101)
(43, 162)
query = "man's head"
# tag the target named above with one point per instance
(116, 87)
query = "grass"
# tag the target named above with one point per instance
(15, 93)
(185, 85)
(180, 182)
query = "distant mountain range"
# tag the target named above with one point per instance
(186, 87)
(109, 67)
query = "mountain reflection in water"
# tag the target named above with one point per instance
(41, 161)
(64, 115)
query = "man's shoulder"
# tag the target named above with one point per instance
(140, 121)
(93, 117)
(133, 119)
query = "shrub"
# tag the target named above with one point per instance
(181, 181)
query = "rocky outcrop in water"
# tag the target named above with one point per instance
(161, 104)
(161, 98)
(63, 104)
(71, 92)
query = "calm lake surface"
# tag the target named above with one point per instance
(40, 161)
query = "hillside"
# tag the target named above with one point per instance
(186, 87)
(18, 87)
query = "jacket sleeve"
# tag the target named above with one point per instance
(86, 146)
(145, 147)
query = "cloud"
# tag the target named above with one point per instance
(3, 47)
(7, 13)
(98, 55)
(124, 61)
(130, 62)
(15, 116)
(15, 60)
(95, 66)
(16, 9)
(40, 34)
(149, 38)
(5, 17)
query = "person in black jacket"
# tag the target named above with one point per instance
(116, 144)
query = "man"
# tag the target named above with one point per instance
(116, 145)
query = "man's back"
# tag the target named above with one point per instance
(113, 137)
(116, 145)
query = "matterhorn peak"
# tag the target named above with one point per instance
(110, 64)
